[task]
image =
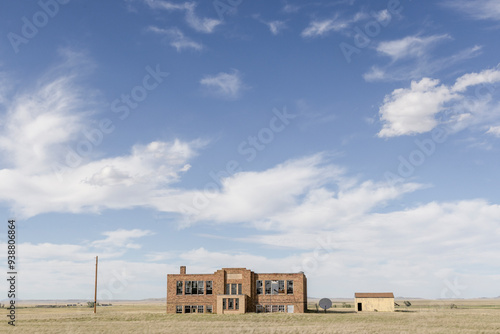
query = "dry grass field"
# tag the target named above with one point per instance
(424, 316)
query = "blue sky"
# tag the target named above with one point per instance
(356, 141)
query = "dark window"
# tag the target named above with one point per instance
(223, 303)
(200, 287)
(230, 303)
(179, 288)
(228, 286)
(289, 287)
(236, 303)
(233, 288)
(259, 287)
(209, 287)
(193, 309)
(209, 308)
(194, 284)
(187, 309)
(200, 308)
(239, 289)
(268, 287)
(281, 308)
(281, 287)
(187, 289)
(178, 309)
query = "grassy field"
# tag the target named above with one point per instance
(424, 316)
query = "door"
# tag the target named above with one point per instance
(289, 309)
(360, 307)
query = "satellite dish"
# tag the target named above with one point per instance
(325, 303)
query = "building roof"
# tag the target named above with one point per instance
(374, 295)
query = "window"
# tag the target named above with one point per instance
(275, 308)
(239, 289)
(236, 303)
(268, 287)
(200, 308)
(233, 288)
(223, 303)
(191, 287)
(209, 308)
(178, 309)
(259, 287)
(230, 303)
(275, 287)
(187, 290)
(227, 288)
(187, 309)
(209, 287)
(179, 288)
(194, 285)
(289, 287)
(200, 287)
(193, 309)
(268, 308)
(281, 287)
(259, 308)
(281, 308)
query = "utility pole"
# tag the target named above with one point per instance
(95, 288)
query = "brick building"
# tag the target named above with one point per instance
(236, 290)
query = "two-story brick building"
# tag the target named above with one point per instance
(236, 290)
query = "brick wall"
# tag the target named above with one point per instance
(237, 276)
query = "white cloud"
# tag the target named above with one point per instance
(226, 85)
(42, 125)
(276, 26)
(289, 8)
(38, 121)
(413, 110)
(177, 39)
(121, 239)
(494, 130)
(322, 28)
(120, 182)
(410, 46)
(298, 194)
(477, 9)
(204, 25)
(318, 28)
(382, 16)
(411, 58)
(489, 76)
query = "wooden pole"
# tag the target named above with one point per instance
(95, 289)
